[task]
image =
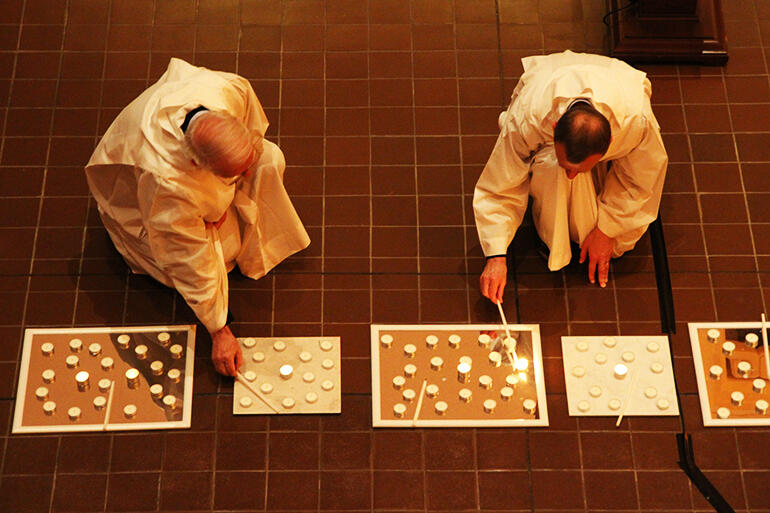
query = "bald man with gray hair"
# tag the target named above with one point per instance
(187, 188)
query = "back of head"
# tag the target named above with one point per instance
(221, 142)
(583, 131)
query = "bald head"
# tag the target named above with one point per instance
(222, 143)
(583, 131)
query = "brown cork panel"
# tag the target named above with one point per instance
(393, 359)
(719, 390)
(64, 391)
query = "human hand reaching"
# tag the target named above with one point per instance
(598, 248)
(226, 352)
(493, 279)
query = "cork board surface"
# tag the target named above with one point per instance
(64, 392)
(716, 393)
(389, 362)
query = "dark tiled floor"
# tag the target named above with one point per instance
(386, 111)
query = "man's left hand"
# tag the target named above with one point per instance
(598, 247)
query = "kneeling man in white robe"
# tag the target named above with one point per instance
(187, 188)
(579, 137)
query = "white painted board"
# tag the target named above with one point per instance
(593, 389)
(314, 385)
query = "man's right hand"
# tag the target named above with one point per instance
(226, 352)
(493, 279)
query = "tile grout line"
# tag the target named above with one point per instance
(2, 154)
(413, 106)
(40, 210)
(415, 175)
(695, 184)
(756, 262)
(371, 238)
(461, 156)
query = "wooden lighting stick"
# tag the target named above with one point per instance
(511, 355)
(254, 391)
(108, 408)
(631, 387)
(505, 323)
(419, 403)
(764, 343)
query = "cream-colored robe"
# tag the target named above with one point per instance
(154, 201)
(622, 202)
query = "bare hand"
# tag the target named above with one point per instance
(218, 223)
(226, 352)
(493, 279)
(598, 247)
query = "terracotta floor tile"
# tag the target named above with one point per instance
(396, 449)
(451, 490)
(725, 239)
(185, 490)
(399, 489)
(752, 456)
(449, 449)
(729, 484)
(550, 450)
(753, 484)
(135, 452)
(431, 36)
(753, 147)
(30, 455)
(557, 489)
(700, 89)
(132, 491)
(610, 490)
(239, 490)
(733, 272)
(750, 117)
(71, 495)
(746, 61)
(238, 451)
(714, 118)
(717, 148)
(26, 493)
(504, 490)
(666, 490)
(676, 147)
(345, 451)
(722, 208)
(356, 415)
(188, 451)
(292, 490)
(606, 450)
(345, 489)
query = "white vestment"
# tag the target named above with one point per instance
(155, 201)
(622, 200)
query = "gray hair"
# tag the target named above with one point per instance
(216, 138)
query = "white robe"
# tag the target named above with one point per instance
(621, 201)
(154, 201)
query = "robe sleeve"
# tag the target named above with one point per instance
(501, 194)
(184, 249)
(633, 187)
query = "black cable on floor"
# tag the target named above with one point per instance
(668, 326)
(619, 9)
